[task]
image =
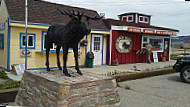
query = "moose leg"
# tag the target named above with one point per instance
(47, 58)
(75, 49)
(58, 61)
(65, 52)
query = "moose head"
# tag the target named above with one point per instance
(68, 36)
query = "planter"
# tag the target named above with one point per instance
(163, 59)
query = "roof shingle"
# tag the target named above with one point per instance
(44, 12)
(110, 22)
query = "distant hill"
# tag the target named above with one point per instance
(180, 39)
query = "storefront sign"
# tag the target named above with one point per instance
(2, 26)
(161, 32)
(136, 30)
(149, 31)
(144, 30)
(123, 44)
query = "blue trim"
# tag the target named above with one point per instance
(2, 41)
(42, 41)
(107, 48)
(86, 50)
(102, 48)
(21, 22)
(8, 46)
(4, 69)
(91, 43)
(23, 47)
(100, 30)
(51, 50)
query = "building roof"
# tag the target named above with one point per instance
(110, 22)
(133, 13)
(44, 12)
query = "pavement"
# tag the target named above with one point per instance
(136, 67)
(160, 91)
(105, 69)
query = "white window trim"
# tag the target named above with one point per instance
(124, 17)
(28, 35)
(54, 46)
(148, 41)
(127, 19)
(144, 19)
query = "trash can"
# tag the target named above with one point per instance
(89, 59)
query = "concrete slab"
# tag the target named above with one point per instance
(105, 69)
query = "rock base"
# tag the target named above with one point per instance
(40, 88)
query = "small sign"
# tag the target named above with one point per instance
(149, 31)
(23, 53)
(136, 30)
(2, 26)
(155, 56)
(19, 68)
(123, 44)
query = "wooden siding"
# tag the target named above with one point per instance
(132, 56)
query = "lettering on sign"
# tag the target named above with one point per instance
(123, 44)
(136, 30)
(150, 31)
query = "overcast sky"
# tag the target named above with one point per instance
(166, 13)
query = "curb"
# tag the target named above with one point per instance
(143, 74)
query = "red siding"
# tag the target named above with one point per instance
(131, 57)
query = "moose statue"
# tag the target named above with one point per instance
(68, 36)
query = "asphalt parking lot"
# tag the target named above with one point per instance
(160, 91)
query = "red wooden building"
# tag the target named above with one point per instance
(131, 33)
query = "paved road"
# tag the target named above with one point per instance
(160, 91)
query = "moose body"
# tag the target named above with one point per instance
(67, 36)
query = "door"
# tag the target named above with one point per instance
(97, 49)
(166, 48)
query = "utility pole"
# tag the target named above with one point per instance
(26, 31)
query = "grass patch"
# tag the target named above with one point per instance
(127, 87)
(9, 83)
(3, 74)
(175, 56)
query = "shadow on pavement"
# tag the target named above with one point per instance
(175, 78)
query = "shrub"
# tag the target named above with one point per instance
(3, 74)
(9, 83)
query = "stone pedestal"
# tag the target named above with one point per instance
(40, 88)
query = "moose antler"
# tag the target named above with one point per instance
(72, 14)
(93, 18)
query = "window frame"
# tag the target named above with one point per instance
(143, 21)
(28, 35)
(52, 50)
(148, 41)
(2, 41)
(127, 19)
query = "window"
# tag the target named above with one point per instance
(157, 43)
(143, 19)
(129, 18)
(1, 41)
(53, 49)
(43, 37)
(30, 41)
